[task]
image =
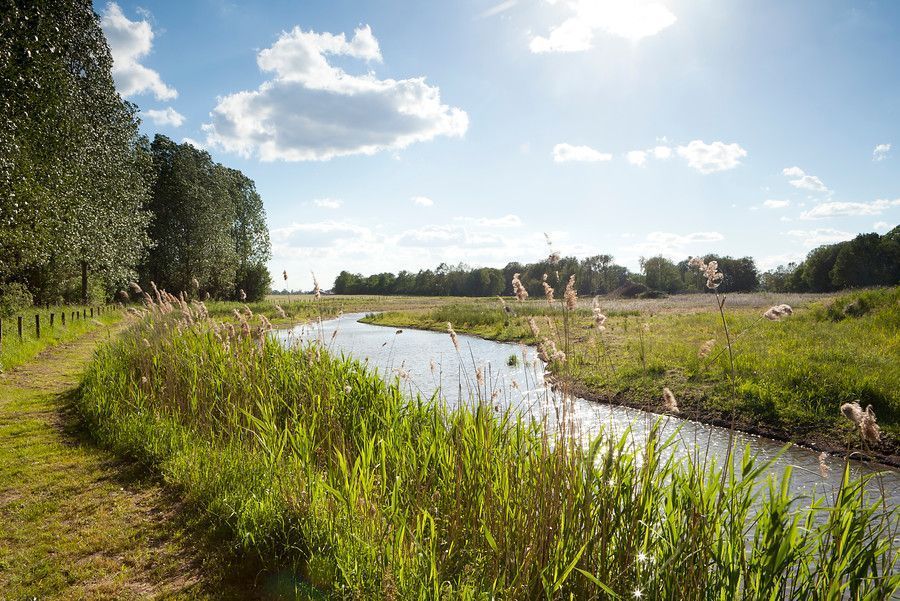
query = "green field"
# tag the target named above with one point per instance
(791, 375)
(333, 480)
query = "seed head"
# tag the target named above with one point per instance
(869, 430)
(453, 337)
(518, 288)
(242, 295)
(571, 296)
(548, 292)
(669, 402)
(706, 348)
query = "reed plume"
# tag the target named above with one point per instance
(669, 402)
(518, 288)
(453, 337)
(548, 290)
(570, 296)
(242, 295)
(865, 420)
(706, 348)
(777, 312)
(317, 291)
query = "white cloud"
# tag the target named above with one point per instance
(880, 226)
(168, 116)
(637, 157)
(881, 152)
(563, 153)
(675, 245)
(803, 181)
(497, 9)
(773, 261)
(818, 237)
(506, 221)
(328, 203)
(628, 19)
(776, 204)
(193, 143)
(423, 201)
(844, 209)
(312, 110)
(662, 152)
(709, 158)
(129, 42)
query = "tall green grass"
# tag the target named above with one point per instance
(15, 351)
(791, 375)
(319, 468)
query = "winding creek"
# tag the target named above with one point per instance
(427, 363)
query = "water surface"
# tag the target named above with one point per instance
(427, 363)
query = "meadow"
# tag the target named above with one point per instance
(69, 323)
(342, 487)
(791, 375)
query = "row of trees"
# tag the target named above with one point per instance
(87, 203)
(598, 274)
(867, 260)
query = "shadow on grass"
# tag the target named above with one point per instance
(214, 568)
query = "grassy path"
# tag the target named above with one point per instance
(78, 523)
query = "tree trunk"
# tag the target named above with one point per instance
(84, 282)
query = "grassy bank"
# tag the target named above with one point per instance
(77, 522)
(15, 351)
(792, 375)
(346, 489)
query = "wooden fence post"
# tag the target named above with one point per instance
(37, 325)
(51, 320)
(20, 327)
(62, 316)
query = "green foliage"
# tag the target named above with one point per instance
(13, 297)
(73, 171)
(867, 260)
(324, 470)
(208, 225)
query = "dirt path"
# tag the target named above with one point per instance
(78, 523)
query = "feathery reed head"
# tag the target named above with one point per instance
(317, 291)
(548, 291)
(706, 348)
(570, 296)
(669, 402)
(518, 288)
(453, 337)
(242, 295)
(865, 420)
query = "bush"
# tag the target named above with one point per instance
(14, 297)
(255, 281)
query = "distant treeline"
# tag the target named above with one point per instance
(868, 260)
(87, 204)
(593, 275)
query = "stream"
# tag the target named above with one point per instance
(427, 363)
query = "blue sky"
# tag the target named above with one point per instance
(397, 135)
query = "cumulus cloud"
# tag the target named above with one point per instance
(818, 237)
(193, 143)
(661, 152)
(167, 116)
(328, 203)
(881, 226)
(628, 19)
(847, 209)
(776, 204)
(422, 201)
(507, 221)
(637, 157)
(671, 244)
(564, 153)
(313, 110)
(130, 42)
(804, 181)
(709, 158)
(881, 152)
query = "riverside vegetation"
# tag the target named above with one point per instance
(791, 374)
(318, 468)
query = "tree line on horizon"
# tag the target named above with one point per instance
(87, 203)
(867, 260)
